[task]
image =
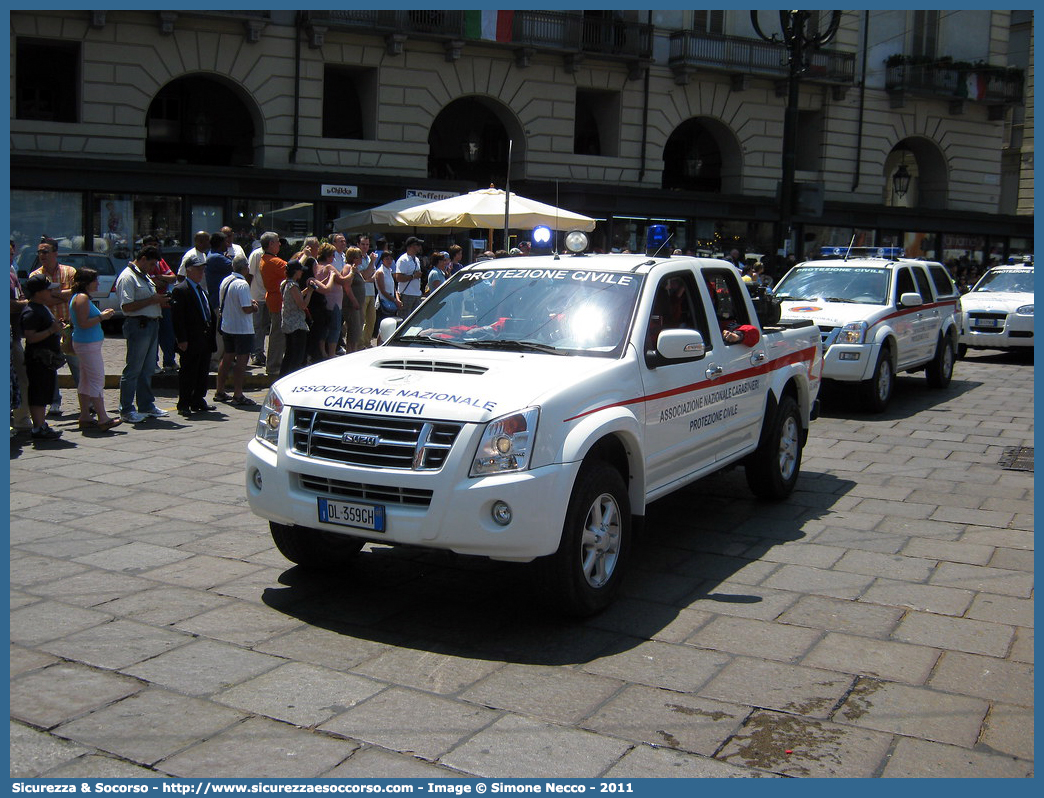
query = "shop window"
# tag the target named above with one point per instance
(56, 214)
(349, 102)
(597, 122)
(47, 80)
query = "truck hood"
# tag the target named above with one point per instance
(830, 314)
(434, 383)
(1005, 301)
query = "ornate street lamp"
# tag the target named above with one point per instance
(901, 180)
(796, 36)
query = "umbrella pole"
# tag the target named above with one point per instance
(507, 198)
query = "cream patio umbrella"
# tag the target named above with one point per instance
(381, 218)
(486, 208)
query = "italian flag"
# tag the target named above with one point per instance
(975, 86)
(494, 26)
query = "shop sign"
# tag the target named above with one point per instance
(339, 191)
(430, 195)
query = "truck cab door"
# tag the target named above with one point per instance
(930, 318)
(906, 320)
(671, 387)
(736, 371)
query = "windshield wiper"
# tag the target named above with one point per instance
(428, 339)
(523, 346)
(838, 299)
(789, 298)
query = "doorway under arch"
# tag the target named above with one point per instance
(469, 141)
(702, 154)
(923, 161)
(201, 120)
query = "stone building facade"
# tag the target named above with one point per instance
(177, 121)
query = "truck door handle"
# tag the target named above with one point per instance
(715, 371)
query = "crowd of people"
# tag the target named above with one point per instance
(219, 309)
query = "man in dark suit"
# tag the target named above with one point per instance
(193, 325)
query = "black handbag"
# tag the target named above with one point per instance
(48, 358)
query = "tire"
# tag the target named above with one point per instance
(962, 351)
(877, 391)
(772, 470)
(314, 548)
(940, 371)
(585, 574)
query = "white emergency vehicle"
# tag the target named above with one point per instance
(528, 409)
(998, 311)
(879, 314)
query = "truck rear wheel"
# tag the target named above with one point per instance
(585, 574)
(940, 370)
(877, 391)
(313, 548)
(772, 470)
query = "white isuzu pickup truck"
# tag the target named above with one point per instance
(880, 314)
(528, 409)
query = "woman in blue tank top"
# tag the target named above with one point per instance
(87, 337)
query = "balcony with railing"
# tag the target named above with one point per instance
(692, 50)
(956, 81)
(570, 34)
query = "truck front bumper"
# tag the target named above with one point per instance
(457, 516)
(995, 331)
(850, 362)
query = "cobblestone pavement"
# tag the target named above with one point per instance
(879, 623)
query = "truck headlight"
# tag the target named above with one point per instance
(268, 419)
(506, 444)
(852, 333)
(1025, 310)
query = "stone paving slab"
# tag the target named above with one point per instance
(879, 623)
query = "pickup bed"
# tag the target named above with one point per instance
(528, 410)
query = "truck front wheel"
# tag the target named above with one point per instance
(940, 370)
(313, 548)
(877, 391)
(585, 574)
(772, 470)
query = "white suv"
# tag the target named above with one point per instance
(878, 316)
(998, 311)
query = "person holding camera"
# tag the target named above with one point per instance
(87, 337)
(43, 354)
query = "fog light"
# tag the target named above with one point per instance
(849, 356)
(501, 513)
(256, 479)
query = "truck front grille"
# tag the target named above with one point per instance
(372, 441)
(358, 491)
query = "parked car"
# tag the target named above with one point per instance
(108, 269)
(998, 311)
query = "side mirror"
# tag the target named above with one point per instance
(388, 326)
(680, 345)
(910, 300)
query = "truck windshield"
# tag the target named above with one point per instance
(549, 310)
(863, 285)
(1016, 282)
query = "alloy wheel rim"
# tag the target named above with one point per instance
(600, 542)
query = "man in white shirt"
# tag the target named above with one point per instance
(237, 310)
(262, 320)
(408, 275)
(232, 249)
(198, 253)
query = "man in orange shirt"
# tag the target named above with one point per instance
(273, 272)
(62, 279)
